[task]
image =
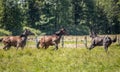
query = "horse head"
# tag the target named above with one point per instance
(27, 32)
(62, 31)
(93, 34)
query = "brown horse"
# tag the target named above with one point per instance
(101, 41)
(54, 39)
(16, 41)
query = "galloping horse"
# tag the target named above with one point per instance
(16, 41)
(101, 41)
(54, 39)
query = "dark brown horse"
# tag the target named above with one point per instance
(101, 41)
(54, 39)
(16, 41)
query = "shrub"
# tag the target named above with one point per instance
(4, 32)
(35, 31)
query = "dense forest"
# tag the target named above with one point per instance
(47, 16)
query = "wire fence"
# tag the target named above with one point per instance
(66, 41)
(70, 41)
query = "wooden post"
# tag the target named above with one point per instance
(75, 14)
(76, 41)
(62, 41)
(36, 40)
(85, 41)
(118, 40)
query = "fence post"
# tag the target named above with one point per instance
(118, 40)
(85, 41)
(76, 41)
(62, 41)
(36, 40)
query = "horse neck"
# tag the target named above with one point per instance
(59, 35)
(24, 37)
(94, 36)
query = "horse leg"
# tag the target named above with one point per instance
(106, 48)
(46, 46)
(42, 45)
(56, 46)
(6, 47)
(22, 48)
(106, 45)
(37, 45)
(22, 45)
(17, 46)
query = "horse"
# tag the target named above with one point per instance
(105, 41)
(16, 41)
(54, 39)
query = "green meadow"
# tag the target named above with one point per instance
(62, 60)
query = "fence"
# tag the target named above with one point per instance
(66, 41)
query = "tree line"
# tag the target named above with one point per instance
(77, 16)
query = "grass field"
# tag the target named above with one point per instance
(62, 60)
(65, 59)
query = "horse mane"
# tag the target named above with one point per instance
(22, 35)
(57, 33)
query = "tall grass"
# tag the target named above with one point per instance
(62, 60)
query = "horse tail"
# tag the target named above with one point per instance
(1, 39)
(37, 45)
(115, 39)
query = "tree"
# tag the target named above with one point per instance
(1, 13)
(12, 17)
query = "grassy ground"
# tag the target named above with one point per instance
(62, 60)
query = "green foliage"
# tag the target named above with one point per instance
(35, 31)
(77, 16)
(62, 60)
(4, 32)
(12, 17)
(1, 12)
(110, 8)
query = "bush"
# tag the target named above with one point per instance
(4, 32)
(35, 31)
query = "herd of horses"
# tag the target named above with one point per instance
(46, 41)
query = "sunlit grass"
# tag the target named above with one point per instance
(62, 60)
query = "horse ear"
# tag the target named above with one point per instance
(90, 32)
(94, 33)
